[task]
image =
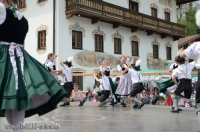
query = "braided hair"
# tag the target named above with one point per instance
(14, 3)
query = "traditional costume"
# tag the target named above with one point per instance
(137, 82)
(113, 88)
(68, 85)
(27, 87)
(51, 65)
(183, 72)
(125, 86)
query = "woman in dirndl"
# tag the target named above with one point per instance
(125, 85)
(26, 86)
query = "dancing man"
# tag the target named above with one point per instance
(68, 85)
(183, 72)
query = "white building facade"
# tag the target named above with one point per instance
(95, 30)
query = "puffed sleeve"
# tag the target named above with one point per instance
(192, 50)
(119, 68)
(2, 13)
(50, 64)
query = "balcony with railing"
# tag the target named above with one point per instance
(102, 11)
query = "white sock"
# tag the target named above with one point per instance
(8, 115)
(125, 99)
(114, 98)
(18, 118)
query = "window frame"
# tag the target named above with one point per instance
(81, 39)
(41, 1)
(20, 3)
(169, 55)
(167, 16)
(120, 46)
(135, 4)
(39, 40)
(137, 44)
(102, 45)
(156, 10)
(156, 57)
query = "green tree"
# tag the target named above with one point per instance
(186, 16)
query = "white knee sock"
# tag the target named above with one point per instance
(114, 98)
(125, 99)
(8, 115)
(18, 118)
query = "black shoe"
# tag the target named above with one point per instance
(64, 104)
(135, 106)
(175, 111)
(178, 109)
(81, 103)
(140, 106)
(124, 105)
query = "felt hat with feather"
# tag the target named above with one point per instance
(69, 61)
(178, 58)
(136, 65)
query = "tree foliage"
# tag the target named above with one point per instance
(186, 16)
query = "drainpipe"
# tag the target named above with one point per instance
(54, 34)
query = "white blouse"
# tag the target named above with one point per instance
(3, 13)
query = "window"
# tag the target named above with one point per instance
(117, 46)
(79, 80)
(153, 12)
(167, 16)
(76, 40)
(42, 39)
(99, 43)
(155, 51)
(133, 6)
(169, 57)
(41, 1)
(135, 48)
(22, 4)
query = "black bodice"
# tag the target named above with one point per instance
(107, 73)
(54, 67)
(174, 66)
(13, 30)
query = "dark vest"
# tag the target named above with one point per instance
(13, 30)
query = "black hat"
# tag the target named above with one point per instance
(69, 62)
(178, 58)
(136, 65)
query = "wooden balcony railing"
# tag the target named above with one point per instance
(116, 14)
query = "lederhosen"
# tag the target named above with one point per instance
(137, 87)
(185, 85)
(68, 86)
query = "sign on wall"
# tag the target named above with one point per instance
(156, 64)
(94, 59)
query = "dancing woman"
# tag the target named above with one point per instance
(125, 86)
(51, 65)
(26, 86)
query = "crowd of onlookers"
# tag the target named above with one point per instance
(147, 96)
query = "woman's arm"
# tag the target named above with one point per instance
(94, 74)
(60, 60)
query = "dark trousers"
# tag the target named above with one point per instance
(137, 88)
(198, 88)
(68, 88)
(185, 85)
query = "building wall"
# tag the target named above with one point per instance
(37, 16)
(40, 17)
(64, 41)
(144, 7)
